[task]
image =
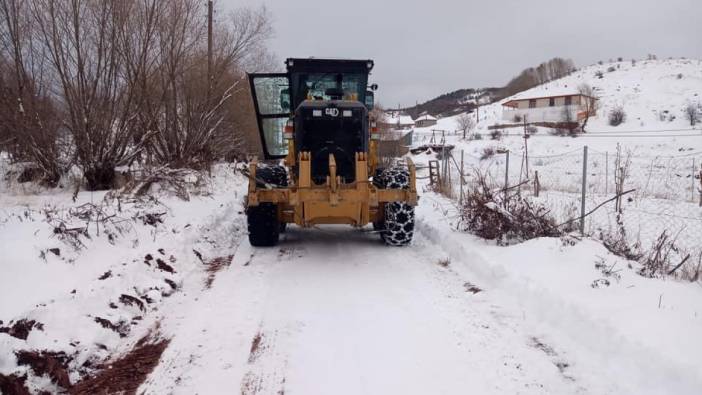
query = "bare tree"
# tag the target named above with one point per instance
(83, 43)
(29, 121)
(590, 104)
(196, 121)
(465, 123)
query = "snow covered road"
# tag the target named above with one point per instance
(335, 311)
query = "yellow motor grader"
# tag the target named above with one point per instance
(315, 119)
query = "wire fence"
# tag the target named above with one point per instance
(666, 191)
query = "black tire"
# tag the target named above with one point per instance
(264, 228)
(262, 220)
(398, 219)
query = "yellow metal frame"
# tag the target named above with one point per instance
(334, 202)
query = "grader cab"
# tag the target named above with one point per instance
(315, 119)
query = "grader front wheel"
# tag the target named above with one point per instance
(397, 227)
(264, 228)
(262, 220)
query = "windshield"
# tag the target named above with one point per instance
(325, 86)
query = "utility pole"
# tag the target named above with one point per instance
(209, 48)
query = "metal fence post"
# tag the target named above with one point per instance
(460, 200)
(506, 173)
(583, 191)
(443, 169)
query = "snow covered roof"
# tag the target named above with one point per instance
(543, 91)
(426, 117)
(392, 118)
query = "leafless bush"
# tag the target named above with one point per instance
(617, 242)
(504, 216)
(488, 152)
(617, 116)
(495, 134)
(659, 261)
(692, 113)
(181, 182)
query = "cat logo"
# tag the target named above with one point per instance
(332, 111)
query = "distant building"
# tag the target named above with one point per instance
(544, 106)
(396, 120)
(425, 121)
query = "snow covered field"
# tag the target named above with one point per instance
(332, 310)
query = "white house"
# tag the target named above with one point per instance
(561, 105)
(396, 120)
(424, 121)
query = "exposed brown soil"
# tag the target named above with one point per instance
(125, 374)
(162, 265)
(171, 283)
(53, 364)
(255, 347)
(13, 384)
(214, 266)
(105, 275)
(121, 328)
(21, 328)
(131, 300)
(474, 289)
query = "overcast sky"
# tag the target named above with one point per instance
(424, 48)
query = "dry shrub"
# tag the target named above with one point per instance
(180, 182)
(505, 217)
(617, 116)
(663, 256)
(618, 243)
(488, 152)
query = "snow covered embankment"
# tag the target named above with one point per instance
(84, 282)
(578, 295)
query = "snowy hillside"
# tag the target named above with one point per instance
(653, 93)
